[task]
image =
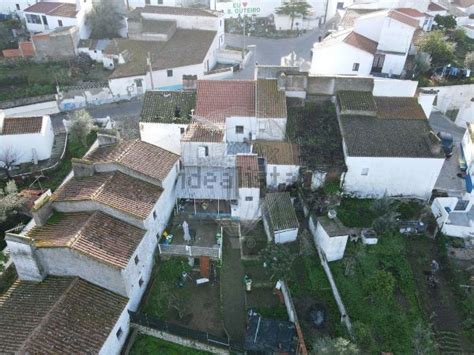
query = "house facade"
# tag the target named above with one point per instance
(26, 139)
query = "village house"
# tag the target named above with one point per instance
(279, 218)
(379, 44)
(164, 44)
(26, 139)
(455, 214)
(62, 315)
(46, 16)
(388, 145)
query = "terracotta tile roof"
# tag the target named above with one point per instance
(161, 106)
(407, 20)
(186, 47)
(145, 158)
(198, 132)
(361, 42)
(60, 315)
(435, 7)
(399, 108)
(247, 167)
(97, 235)
(280, 211)
(270, 102)
(172, 10)
(277, 152)
(218, 99)
(351, 15)
(356, 101)
(59, 9)
(115, 190)
(21, 125)
(410, 12)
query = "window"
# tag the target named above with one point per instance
(160, 2)
(147, 2)
(136, 259)
(181, 129)
(248, 198)
(140, 283)
(60, 24)
(239, 129)
(33, 19)
(340, 5)
(203, 152)
(17, 6)
(355, 67)
(119, 333)
(45, 20)
(365, 172)
(261, 126)
(169, 72)
(154, 214)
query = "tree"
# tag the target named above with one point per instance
(446, 22)
(8, 157)
(80, 127)
(334, 346)
(105, 20)
(440, 50)
(423, 340)
(294, 9)
(469, 61)
(278, 259)
(422, 63)
(10, 202)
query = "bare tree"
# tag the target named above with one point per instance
(9, 156)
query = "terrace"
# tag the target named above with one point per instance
(206, 239)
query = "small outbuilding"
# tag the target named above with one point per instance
(279, 219)
(330, 235)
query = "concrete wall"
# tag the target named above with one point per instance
(113, 345)
(273, 129)
(43, 108)
(32, 146)
(394, 64)
(191, 22)
(163, 135)
(76, 98)
(334, 246)
(395, 36)
(23, 254)
(370, 26)
(126, 88)
(392, 176)
(286, 236)
(249, 210)
(394, 87)
(281, 174)
(56, 46)
(339, 58)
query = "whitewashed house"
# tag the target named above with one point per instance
(388, 146)
(330, 235)
(26, 139)
(379, 42)
(16, 7)
(165, 117)
(436, 9)
(279, 218)
(248, 203)
(281, 161)
(48, 15)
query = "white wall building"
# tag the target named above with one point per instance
(388, 145)
(27, 139)
(16, 7)
(330, 235)
(279, 218)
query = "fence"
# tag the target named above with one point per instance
(155, 323)
(189, 250)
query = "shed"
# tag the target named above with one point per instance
(330, 235)
(280, 221)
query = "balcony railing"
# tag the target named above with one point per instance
(190, 250)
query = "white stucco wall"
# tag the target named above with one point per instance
(273, 129)
(113, 345)
(163, 135)
(217, 154)
(395, 36)
(339, 59)
(370, 26)
(249, 210)
(27, 264)
(31, 146)
(394, 176)
(9, 6)
(249, 124)
(333, 247)
(394, 64)
(394, 87)
(126, 88)
(281, 174)
(43, 108)
(442, 217)
(286, 236)
(207, 23)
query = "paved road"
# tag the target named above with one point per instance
(269, 51)
(448, 181)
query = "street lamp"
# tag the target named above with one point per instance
(245, 25)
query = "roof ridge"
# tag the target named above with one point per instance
(46, 318)
(125, 151)
(101, 188)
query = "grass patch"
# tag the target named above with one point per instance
(145, 345)
(164, 282)
(356, 213)
(385, 308)
(276, 312)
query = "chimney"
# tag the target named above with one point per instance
(2, 118)
(107, 137)
(189, 82)
(42, 209)
(82, 168)
(281, 81)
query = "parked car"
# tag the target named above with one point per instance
(447, 143)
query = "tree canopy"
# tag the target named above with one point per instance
(440, 50)
(105, 20)
(294, 9)
(81, 125)
(446, 22)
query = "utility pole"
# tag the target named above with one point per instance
(243, 49)
(148, 60)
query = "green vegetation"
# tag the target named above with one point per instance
(379, 292)
(436, 45)
(294, 9)
(276, 312)
(25, 78)
(147, 345)
(6, 35)
(105, 20)
(355, 212)
(164, 293)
